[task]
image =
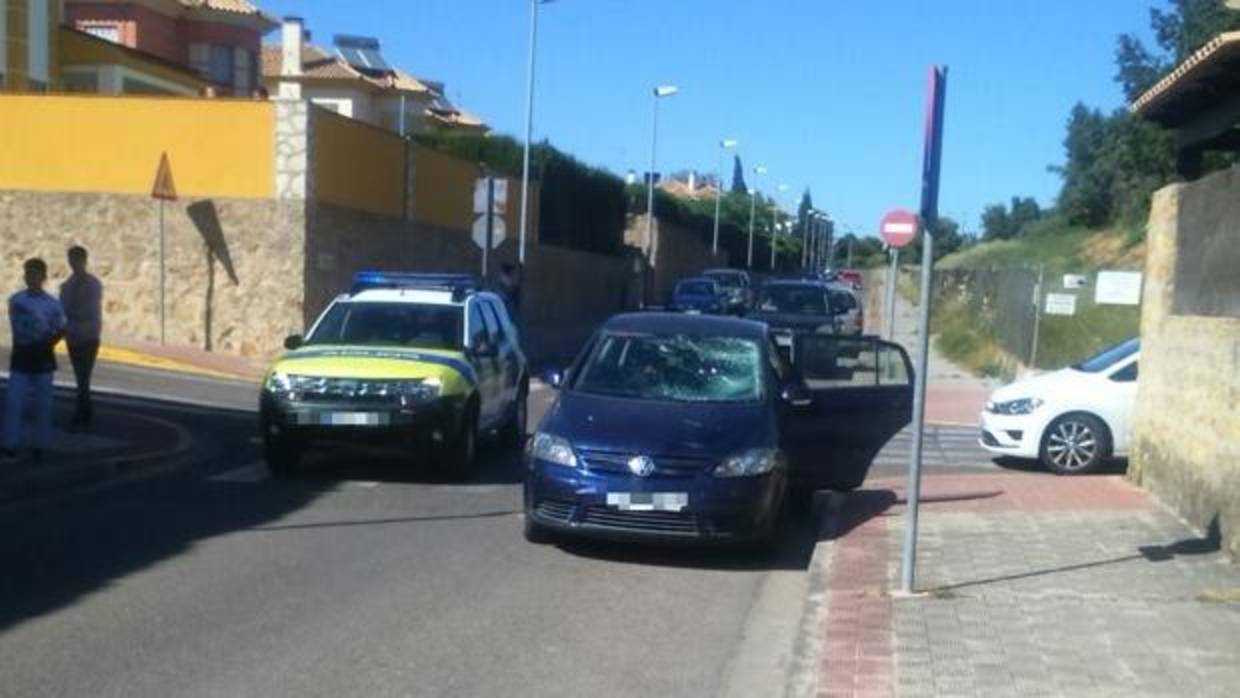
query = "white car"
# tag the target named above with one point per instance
(1074, 419)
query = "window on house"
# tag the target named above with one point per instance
(243, 71)
(200, 58)
(108, 31)
(220, 65)
(81, 81)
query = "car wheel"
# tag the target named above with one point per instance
(283, 454)
(514, 432)
(461, 450)
(1075, 444)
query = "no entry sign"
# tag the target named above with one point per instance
(898, 228)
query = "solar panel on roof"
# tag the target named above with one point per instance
(361, 52)
(374, 60)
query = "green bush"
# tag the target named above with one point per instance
(580, 206)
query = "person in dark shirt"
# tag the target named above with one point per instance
(38, 323)
(81, 296)
(510, 285)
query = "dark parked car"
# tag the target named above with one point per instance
(693, 427)
(698, 295)
(791, 307)
(737, 287)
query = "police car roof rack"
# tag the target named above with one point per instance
(459, 284)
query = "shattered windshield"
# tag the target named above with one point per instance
(675, 368)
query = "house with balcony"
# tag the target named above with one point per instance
(29, 56)
(163, 46)
(353, 79)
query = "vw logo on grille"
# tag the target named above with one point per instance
(641, 466)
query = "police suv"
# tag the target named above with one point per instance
(425, 362)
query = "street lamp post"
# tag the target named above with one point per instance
(529, 126)
(724, 145)
(753, 203)
(659, 92)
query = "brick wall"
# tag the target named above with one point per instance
(1186, 425)
(675, 253)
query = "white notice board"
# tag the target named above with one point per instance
(1118, 288)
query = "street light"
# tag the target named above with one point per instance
(529, 127)
(725, 144)
(659, 92)
(774, 214)
(753, 202)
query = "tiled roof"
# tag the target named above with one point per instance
(240, 7)
(1219, 58)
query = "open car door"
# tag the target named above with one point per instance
(859, 395)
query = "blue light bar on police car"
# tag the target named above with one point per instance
(364, 280)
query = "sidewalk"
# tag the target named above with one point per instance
(954, 397)
(119, 443)
(1033, 585)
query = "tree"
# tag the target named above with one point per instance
(738, 176)
(996, 224)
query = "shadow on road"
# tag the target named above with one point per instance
(1114, 466)
(54, 554)
(793, 552)
(497, 465)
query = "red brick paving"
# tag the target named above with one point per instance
(858, 657)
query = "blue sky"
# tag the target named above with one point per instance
(827, 94)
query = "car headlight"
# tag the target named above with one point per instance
(751, 463)
(424, 390)
(278, 382)
(1025, 405)
(552, 449)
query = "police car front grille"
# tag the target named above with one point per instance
(315, 389)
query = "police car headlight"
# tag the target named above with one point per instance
(424, 390)
(751, 463)
(279, 382)
(552, 449)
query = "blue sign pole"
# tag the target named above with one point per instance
(931, 159)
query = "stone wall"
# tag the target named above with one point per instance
(565, 295)
(234, 266)
(675, 253)
(1186, 425)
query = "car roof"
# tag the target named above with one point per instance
(420, 296)
(696, 280)
(668, 323)
(814, 283)
(740, 272)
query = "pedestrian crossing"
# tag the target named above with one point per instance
(942, 447)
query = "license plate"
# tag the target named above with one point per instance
(648, 501)
(344, 419)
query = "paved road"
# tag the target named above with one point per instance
(363, 577)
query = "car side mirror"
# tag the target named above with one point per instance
(555, 378)
(293, 341)
(797, 396)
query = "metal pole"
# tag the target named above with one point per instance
(1037, 318)
(163, 278)
(850, 243)
(893, 281)
(774, 214)
(714, 247)
(402, 115)
(654, 139)
(913, 496)
(753, 200)
(486, 249)
(529, 129)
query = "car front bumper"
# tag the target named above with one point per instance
(1011, 435)
(568, 500)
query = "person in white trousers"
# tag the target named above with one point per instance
(38, 323)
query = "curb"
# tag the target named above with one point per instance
(130, 357)
(802, 681)
(50, 486)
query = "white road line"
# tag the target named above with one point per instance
(252, 473)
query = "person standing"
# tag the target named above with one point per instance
(38, 323)
(82, 298)
(510, 284)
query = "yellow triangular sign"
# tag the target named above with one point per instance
(164, 187)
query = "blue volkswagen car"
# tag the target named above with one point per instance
(693, 427)
(698, 295)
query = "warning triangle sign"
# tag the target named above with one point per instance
(164, 187)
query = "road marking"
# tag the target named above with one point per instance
(252, 473)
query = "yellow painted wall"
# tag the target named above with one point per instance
(77, 49)
(220, 147)
(443, 189)
(357, 165)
